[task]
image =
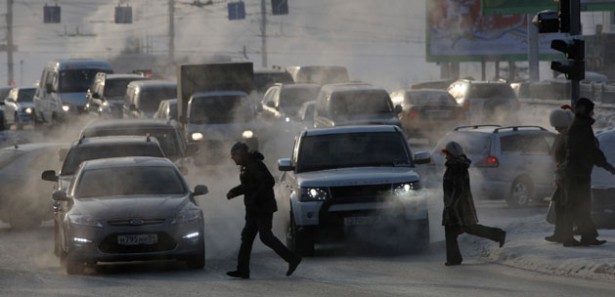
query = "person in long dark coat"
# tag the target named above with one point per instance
(259, 200)
(583, 153)
(459, 213)
(560, 119)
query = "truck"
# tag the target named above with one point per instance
(214, 106)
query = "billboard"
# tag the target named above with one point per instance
(495, 7)
(458, 31)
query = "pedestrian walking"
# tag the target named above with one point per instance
(560, 120)
(582, 154)
(259, 200)
(459, 214)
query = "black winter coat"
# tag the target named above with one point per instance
(458, 202)
(256, 186)
(583, 150)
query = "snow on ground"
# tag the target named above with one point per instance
(526, 248)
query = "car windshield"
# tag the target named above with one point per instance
(77, 80)
(26, 95)
(79, 154)
(129, 181)
(353, 104)
(167, 138)
(292, 98)
(149, 99)
(117, 87)
(352, 150)
(220, 110)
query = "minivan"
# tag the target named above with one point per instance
(62, 88)
(143, 97)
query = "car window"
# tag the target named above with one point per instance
(220, 110)
(472, 143)
(79, 154)
(520, 143)
(167, 138)
(292, 98)
(128, 181)
(430, 99)
(491, 91)
(149, 99)
(117, 87)
(344, 104)
(77, 80)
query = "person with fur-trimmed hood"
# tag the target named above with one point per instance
(259, 200)
(459, 213)
(582, 154)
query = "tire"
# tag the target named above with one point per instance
(72, 265)
(521, 193)
(196, 261)
(300, 242)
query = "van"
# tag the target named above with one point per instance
(62, 88)
(143, 97)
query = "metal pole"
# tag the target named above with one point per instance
(532, 50)
(264, 33)
(9, 40)
(575, 29)
(172, 31)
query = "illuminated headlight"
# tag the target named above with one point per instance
(66, 107)
(28, 110)
(84, 221)
(405, 188)
(247, 134)
(81, 240)
(287, 119)
(187, 215)
(197, 136)
(314, 194)
(191, 235)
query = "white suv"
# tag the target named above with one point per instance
(351, 179)
(512, 163)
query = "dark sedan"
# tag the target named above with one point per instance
(603, 183)
(129, 209)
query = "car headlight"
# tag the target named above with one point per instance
(84, 220)
(314, 194)
(247, 134)
(28, 110)
(187, 215)
(66, 107)
(197, 136)
(405, 188)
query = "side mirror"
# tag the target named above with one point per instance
(200, 190)
(422, 157)
(60, 196)
(285, 165)
(49, 175)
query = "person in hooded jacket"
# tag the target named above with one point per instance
(259, 200)
(459, 215)
(582, 154)
(560, 119)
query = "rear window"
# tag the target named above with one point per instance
(149, 99)
(168, 138)
(472, 143)
(79, 154)
(430, 99)
(360, 102)
(526, 144)
(487, 91)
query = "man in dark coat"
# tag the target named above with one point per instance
(583, 153)
(459, 214)
(259, 200)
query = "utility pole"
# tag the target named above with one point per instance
(172, 31)
(264, 33)
(575, 29)
(9, 40)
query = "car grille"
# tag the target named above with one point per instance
(135, 222)
(110, 245)
(360, 194)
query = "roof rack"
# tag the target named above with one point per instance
(476, 126)
(516, 128)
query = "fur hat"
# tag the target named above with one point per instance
(454, 149)
(583, 106)
(239, 147)
(560, 118)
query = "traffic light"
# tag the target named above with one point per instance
(574, 50)
(564, 16)
(547, 21)
(51, 14)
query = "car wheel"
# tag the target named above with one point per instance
(422, 235)
(520, 193)
(299, 241)
(56, 241)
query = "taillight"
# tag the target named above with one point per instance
(413, 115)
(466, 104)
(490, 162)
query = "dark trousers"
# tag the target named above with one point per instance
(578, 211)
(260, 223)
(453, 255)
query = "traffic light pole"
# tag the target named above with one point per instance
(575, 29)
(9, 41)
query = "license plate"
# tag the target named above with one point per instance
(361, 221)
(137, 239)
